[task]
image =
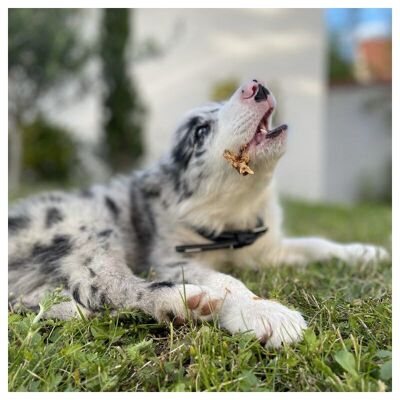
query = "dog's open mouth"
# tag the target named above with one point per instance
(240, 161)
(263, 132)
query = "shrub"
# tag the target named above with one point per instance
(49, 152)
(223, 89)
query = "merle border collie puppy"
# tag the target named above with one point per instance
(183, 219)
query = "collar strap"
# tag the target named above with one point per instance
(225, 240)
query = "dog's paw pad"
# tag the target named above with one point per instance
(210, 307)
(203, 305)
(194, 301)
(187, 302)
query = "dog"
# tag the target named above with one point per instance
(183, 219)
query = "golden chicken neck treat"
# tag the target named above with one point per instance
(241, 160)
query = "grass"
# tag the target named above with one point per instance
(347, 346)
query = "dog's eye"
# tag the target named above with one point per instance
(201, 131)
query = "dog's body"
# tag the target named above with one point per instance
(94, 242)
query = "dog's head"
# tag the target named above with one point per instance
(206, 132)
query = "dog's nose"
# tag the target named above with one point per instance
(256, 90)
(262, 93)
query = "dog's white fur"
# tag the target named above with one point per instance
(94, 252)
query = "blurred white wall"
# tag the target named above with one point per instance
(358, 143)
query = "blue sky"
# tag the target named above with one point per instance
(339, 18)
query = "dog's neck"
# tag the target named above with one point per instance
(223, 205)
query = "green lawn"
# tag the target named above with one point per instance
(346, 348)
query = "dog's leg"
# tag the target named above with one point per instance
(95, 275)
(164, 300)
(241, 311)
(301, 251)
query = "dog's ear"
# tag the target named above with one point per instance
(183, 150)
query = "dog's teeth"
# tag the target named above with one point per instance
(264, 131)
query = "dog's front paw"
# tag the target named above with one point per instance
(365, 253)
(182, 302)
(272, 323)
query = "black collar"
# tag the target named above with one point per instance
(225, 240)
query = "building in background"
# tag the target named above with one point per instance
(359, 107)
(340, 136)
(373, 60)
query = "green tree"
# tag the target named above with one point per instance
(340, 69)
(123, 110)
(44, 50)
(52, 151)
